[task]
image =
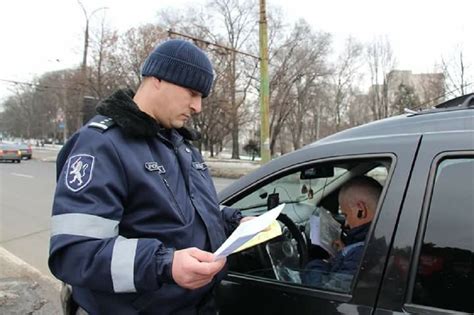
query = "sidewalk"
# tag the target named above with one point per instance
(24, 290)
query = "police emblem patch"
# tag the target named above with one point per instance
(79, 171)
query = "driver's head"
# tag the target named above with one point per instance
(358, 200)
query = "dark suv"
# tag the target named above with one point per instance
(418, 256)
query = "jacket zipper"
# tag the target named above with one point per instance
(174, 198)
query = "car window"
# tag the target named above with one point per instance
(305, 255)
(445, 272)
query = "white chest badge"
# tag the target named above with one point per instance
(79, 171)
(155, 167)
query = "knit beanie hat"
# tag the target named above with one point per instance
(182, 63)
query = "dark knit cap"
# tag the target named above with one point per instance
(182, 63)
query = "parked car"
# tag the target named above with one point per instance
(26, 150)
(419, 253)
(9, 152)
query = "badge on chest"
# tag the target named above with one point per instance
(155, 167)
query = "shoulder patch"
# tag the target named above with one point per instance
(102, 125)
(79, 171)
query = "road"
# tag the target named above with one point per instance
(26, 195)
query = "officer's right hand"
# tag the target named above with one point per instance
(194, 268)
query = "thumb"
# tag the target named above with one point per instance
(201, 255)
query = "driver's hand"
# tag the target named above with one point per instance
(338, 245)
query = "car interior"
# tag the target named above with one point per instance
(310, 221)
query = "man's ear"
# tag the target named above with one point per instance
(156, 82)
(361, 210)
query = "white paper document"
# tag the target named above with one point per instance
(324, 231)
(246, 231)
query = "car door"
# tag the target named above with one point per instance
(431, 265)
(242, 292)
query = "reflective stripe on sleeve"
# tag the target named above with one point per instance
(83, 225)
(122, 264)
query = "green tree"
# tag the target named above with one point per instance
(405, 97)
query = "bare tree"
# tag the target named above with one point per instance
(346, 70)
(239, 21)
(102, 72)
(19, 112)
(381, 61)
(134, 47)
(233, 71)
(294, 65)
(459, 80)
(34, 109)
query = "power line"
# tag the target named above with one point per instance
(37, 85)
(171, 32)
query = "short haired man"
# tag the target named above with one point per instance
(357, 201)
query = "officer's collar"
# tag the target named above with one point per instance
(126, 114)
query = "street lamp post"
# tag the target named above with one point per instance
(84, 59)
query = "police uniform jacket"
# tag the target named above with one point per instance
(130, 193)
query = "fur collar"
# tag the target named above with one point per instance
(126, 114)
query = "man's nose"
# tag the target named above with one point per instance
(196, 104)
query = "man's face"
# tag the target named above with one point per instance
(177, 104)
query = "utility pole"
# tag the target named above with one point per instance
(264, 87)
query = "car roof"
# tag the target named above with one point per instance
(453, 115)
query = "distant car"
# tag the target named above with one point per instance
(9, 152)
(25, 149)
(419, 252)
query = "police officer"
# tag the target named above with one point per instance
(135, 212)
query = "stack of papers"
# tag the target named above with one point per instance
(250, 233)
(324, 230)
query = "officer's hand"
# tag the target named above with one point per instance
(194, 268)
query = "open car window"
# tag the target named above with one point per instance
(311, 221)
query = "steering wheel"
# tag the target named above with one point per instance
(287, 250)
(297, 236)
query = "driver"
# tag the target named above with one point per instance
(357, 201)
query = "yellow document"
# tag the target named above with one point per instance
(273, 231)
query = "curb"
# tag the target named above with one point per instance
(13, 260)
(24, 289)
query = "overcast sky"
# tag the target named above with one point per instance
(44, 35)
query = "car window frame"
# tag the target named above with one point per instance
(409, 305)
(296, 288)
